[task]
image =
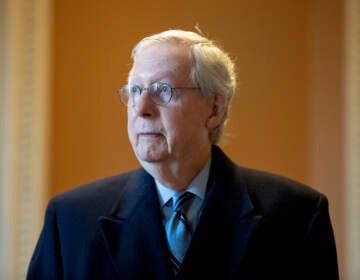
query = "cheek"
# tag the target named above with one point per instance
(182, 125)
(130, 128)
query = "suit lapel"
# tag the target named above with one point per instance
(219, 244)
(133, 233)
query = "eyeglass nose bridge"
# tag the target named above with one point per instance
(144, 89)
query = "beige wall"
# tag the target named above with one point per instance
(286, 115)
(326, 125)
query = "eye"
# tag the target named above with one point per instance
(161, 93)
(134, 90)
(164, 89)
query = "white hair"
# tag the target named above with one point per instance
(213, 70)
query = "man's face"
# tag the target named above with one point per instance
(176, 131)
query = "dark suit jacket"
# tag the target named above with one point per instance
(254, 225)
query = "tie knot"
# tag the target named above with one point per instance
(182, 201)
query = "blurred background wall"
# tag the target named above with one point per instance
(289, 114)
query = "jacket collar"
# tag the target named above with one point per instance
(228, 221)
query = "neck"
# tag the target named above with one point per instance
(177, 175)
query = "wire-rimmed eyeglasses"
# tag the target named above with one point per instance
(160, 93)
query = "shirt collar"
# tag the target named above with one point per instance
(197, 186)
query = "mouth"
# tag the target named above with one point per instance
(149, 134)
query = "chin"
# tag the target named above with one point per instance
(150, 156)
(151, 152)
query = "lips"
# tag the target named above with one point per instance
(149, 134)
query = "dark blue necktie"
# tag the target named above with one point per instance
(179, 229)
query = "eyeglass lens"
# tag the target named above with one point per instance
(160, 93)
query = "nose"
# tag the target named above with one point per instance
(144, 106)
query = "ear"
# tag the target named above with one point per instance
(218, 105)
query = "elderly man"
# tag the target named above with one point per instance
(189, 212)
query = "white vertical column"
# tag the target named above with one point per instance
(24, 115)
(352, 136)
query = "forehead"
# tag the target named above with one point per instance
(164, 60)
